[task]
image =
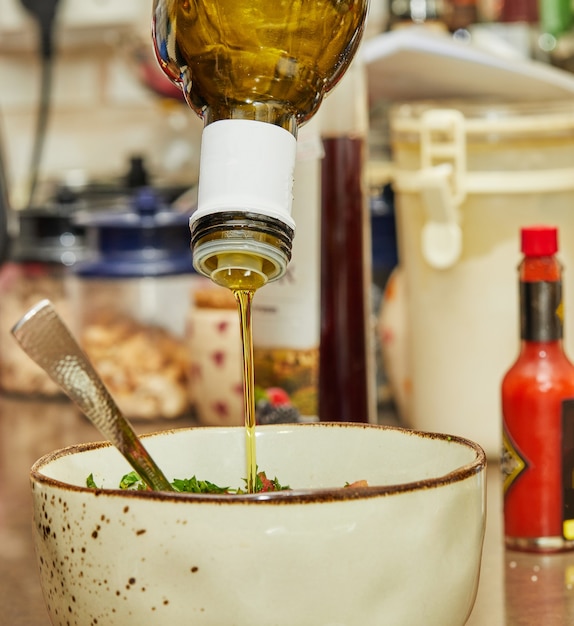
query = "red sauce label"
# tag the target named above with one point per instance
(541, 312)
(533, 503)
(512, 464)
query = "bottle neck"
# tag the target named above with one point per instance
(243, 224)
(541, 310)
(271, 112)
(246, 165)
(542, 349)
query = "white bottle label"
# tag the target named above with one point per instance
(286, 313)
(246, 165)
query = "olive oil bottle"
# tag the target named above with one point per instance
(254, 71)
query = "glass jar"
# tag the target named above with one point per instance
(130, 300)
(47, 245)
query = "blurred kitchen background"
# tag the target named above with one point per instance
(100, 158)
(103, 110)
(92, 131)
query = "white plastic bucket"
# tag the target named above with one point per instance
(467, 177)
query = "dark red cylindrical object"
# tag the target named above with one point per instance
(343, 366)
(519, 11)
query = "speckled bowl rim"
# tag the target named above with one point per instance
(294, 496)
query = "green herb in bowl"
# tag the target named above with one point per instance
(193, 485)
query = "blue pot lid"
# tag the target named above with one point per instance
(148, 239)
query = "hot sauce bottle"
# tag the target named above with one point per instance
(538, 409)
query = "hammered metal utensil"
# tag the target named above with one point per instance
(44, 336)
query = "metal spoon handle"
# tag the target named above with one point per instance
(43, 335)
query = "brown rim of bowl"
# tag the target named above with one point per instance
(292, 496)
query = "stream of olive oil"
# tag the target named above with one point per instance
(244, 284)
(244, 298)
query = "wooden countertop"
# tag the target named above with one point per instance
(515, 589)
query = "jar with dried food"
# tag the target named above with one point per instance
(130, 300)
(46, 245)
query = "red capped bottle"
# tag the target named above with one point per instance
(538, 409)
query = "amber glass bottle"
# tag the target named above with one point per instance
(538, 409)
(254, 70)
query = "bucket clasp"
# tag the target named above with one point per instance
(442, 188)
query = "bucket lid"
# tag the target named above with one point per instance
(490, 120)
(147, 238)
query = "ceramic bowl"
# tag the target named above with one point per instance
(403, 551)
